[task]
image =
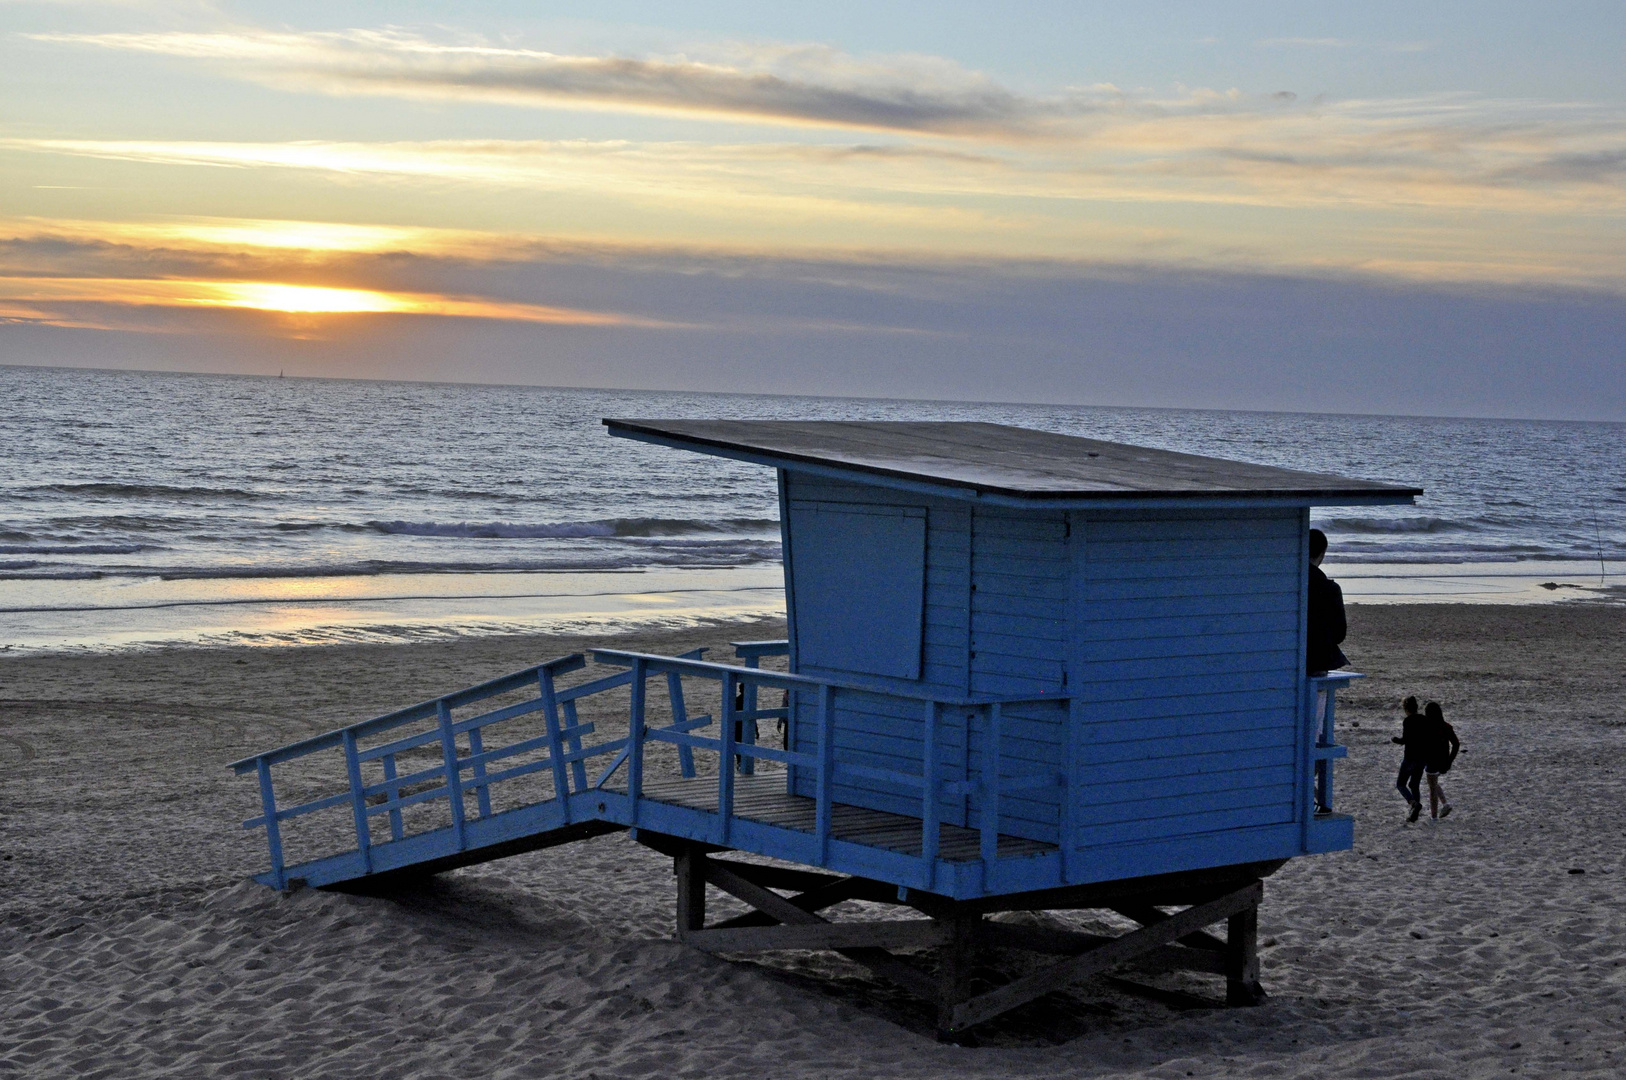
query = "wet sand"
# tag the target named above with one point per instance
(132, 945)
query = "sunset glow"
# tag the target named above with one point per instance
(781, 201)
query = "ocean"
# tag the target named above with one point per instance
(139, 508)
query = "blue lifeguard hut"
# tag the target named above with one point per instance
(1026, 671)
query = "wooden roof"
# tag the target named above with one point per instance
(1008, 463)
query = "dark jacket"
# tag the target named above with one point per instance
(1326, 624)
(1417, 736)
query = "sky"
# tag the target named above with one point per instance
(1392, 208)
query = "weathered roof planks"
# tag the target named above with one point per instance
(981, 459)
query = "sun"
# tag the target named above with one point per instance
(301, 299)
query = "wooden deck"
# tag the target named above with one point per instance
(763, 798)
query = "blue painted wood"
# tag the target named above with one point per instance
(273, 834)
(725, 762)
(396, 828)
(556, 741)
(635, 738)
(827, 770)
(872, 556)
(358, 801)
(680, 714)
(454, 779)
(1179, 732)
(931, 794)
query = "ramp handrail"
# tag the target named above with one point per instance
(459, 774)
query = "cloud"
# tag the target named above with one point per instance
(989, 330)
(804, 84)
(1304, 43)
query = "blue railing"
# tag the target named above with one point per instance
(1320, 711)
(471, 764)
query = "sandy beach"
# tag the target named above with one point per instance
(1492, 943)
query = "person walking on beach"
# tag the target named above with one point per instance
(1414, 736)
(1443, 749)
(1326, 624)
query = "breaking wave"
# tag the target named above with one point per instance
(637, 527)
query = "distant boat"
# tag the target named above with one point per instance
(279, 373)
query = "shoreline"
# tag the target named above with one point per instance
(131, 943)
(111, 615)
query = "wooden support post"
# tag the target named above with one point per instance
(690, 867)
(954, 975)
(1242, 958)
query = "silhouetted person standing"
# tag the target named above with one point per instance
(1326, 614)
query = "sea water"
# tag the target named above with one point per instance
(145, 507)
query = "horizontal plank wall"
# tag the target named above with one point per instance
(1019, 635)
(869, 732)
(1186, 671)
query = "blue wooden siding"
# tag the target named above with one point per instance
(1176, 632)
(877, 553)
(1186, 671)
(994, 623)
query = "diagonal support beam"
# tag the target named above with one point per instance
(1117, 951)
(1073, 943)
(877, 960)
(893, 934)
(811, 900)
(1147, 915)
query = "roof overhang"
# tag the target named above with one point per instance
(1320, 490)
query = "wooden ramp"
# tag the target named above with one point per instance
(763, 798)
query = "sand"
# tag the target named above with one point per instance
(133, 946)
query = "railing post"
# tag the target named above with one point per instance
(482, 793)
(929, 831)
(273, 830)
(358, 800)
(556, 746)
(454, 775)
(748, 716)
(635, 739)
(680, 714)
(990, 794)
(578, 769)
(394, 794)
(827, 772)
(725, 760)
(1323, 778)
